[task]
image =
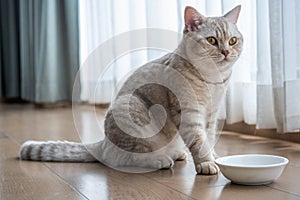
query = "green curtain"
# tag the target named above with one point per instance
(39, 54)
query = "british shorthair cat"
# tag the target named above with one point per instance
(166, 106)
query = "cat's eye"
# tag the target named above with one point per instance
(211, 40)
(232, 41)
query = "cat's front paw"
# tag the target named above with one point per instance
(207, 168)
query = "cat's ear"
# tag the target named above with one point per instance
(233, 15)
(192, 19)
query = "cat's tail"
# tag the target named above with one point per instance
(57, 151)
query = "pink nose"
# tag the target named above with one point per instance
(225, 52)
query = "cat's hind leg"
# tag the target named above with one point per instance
(181, 155)
(176, 149)
(117, 158)
(165, 157)
(157, 161)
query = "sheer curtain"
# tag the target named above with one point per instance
(102, 20)
(263, 89)
(278, 66)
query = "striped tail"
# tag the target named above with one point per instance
(56, 151)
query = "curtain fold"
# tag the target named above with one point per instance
(40, 49)
(101, 21)
(9, 45)
(278, 65)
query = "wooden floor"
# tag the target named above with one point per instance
(41, 180)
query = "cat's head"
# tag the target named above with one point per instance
(216, 38)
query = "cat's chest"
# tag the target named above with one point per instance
(209, 92)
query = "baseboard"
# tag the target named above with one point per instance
(244, 128)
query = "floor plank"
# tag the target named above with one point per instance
(232, 191)
(29, 180)
(98, 181)
(287, 181)
(38, 180)
(218, 187)
(39, 124)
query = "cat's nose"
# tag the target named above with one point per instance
(225, 52)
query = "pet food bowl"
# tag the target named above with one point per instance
(252, 169)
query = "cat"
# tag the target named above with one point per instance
(165, 106)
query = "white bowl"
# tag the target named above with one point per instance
(252, 169)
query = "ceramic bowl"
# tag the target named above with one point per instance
(252, 169)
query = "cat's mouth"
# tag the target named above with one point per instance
(224, 60)
(227, 59)
(221, 59)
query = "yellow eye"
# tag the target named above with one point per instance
(232, 41)
(211, 40)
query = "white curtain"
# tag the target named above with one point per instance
(264, 89)
(278, 84)
(101, 21)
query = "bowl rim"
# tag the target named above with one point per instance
(219, 161)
